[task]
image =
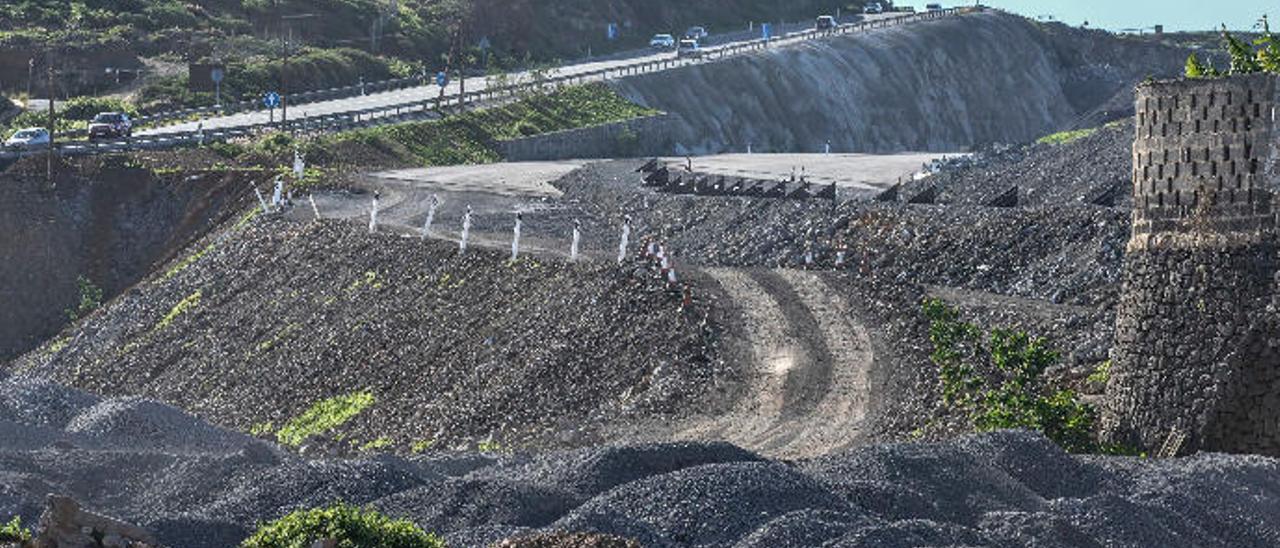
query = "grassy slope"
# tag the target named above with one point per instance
(467, 138)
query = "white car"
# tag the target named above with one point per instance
(29, 139)
(873, 8)
(663, 41)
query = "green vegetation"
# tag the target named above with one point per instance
(349, 525)
(467, 138)
(90, 299)
(375, 445)
(1064, 137)
(15, 532)
(1260, 56)
(421, 446)
(70, 115)
(323, 417)
(1102, 374)
(249, 79)
(1007, 391)
(186, 304)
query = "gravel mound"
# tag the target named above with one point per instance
(456, 349)
(999, 489)
(568, 540)
(1095, 167)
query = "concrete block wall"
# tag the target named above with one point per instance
(647, 136)
(1195, 364)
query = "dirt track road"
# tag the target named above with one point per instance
(806, 360)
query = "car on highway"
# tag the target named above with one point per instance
(689, 49)
(697, 33)
(28, 139)
(662, 42)
(873, 8)
(933, 7)
(110, 125)
(826, 22)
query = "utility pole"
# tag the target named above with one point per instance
(53, 126)
(286, 53)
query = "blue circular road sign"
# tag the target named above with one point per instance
(271, 99)
(442, 79)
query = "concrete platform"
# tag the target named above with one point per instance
(859, 172)
(521, 179)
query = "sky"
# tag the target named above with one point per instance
(1175, 15)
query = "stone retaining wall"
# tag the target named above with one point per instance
(647, 136)
(1194, 364)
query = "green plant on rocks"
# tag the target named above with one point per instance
(186, 304)
(323, 417)
(1008, 391)
(350, 526)
(14, 532)
(1260, 56)
(90, 299)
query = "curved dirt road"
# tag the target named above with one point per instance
(806, 363)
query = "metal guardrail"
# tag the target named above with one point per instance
(428, 108)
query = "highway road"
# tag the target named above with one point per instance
(425, 96)
(418, 102)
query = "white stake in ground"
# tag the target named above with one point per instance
(431, 216)
(373, 215)
(466, 231)
(626, 235)
(277, 196)
(261, 201)
(515, 237)
(314, 209)
(299, 166)
(577, 238)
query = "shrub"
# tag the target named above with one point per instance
(1008, 392)
(90, 299)
(323, 416)
(15, 532)
(349, 525)
(1263, 55)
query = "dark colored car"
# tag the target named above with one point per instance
(110, 125)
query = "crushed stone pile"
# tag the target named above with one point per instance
(1059, 252)
(208, 488)
(455, 349)
(1091, 169)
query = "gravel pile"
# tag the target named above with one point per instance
(1064, 252)
(457, 350)
(208, 489)
(1094, 169)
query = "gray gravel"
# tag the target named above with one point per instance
(209, 487)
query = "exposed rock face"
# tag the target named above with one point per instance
(943, 85)
(1195, 361)
(65, 525)
(106, 220)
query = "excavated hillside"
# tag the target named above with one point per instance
(107, 220)
(944, 85)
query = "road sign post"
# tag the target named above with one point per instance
(272, 100)
(216, 74)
